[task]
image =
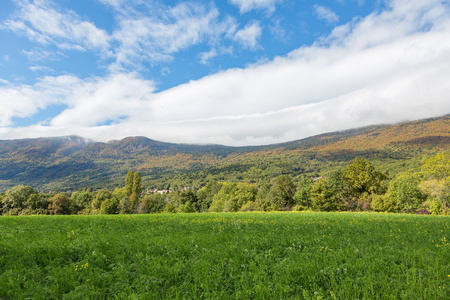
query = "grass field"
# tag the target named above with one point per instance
(226, 256)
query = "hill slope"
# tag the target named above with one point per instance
(74, 163)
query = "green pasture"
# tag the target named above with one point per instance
(226, 256)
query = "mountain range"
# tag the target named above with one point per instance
(72, 162)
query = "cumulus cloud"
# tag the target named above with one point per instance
(390, 66)
(249, 35)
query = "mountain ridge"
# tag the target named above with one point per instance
(73, 162)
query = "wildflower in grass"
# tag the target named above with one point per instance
(81, 267)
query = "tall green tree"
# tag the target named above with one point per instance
(129, 183)
(322, 198)
(137, 188)
(302, 196)
(282, 192)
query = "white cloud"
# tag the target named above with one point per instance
(88, 102)
(387, 67)
(24, 100)
(248, 36)
(41, 69)
(159, 34)
(248, 5)
(156, 38)
(325, 13)
(278, 31)
(165, 71)
(206, 56)
(39, 55)
(153, 34)
(42, 22)
(3, 81)
(97, 101)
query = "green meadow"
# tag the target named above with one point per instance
(280, 255)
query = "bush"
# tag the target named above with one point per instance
(13, 212)
(433, 206)
(445, 211)
(40, 211)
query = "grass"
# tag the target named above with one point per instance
(231, 256)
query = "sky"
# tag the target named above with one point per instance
(230, 72)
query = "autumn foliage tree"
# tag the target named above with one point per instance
(362, 177)
(59, 205)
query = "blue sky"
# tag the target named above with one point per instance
(235, 72)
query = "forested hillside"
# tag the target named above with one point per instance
(74, 163)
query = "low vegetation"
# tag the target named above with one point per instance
(359, 186)
(277, 255)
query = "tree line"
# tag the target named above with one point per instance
(357, 187)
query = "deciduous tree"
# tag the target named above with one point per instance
(129, 183)
(282, 192)
(16, 198)
(59, 205)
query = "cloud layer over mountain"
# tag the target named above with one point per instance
(390, 66)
